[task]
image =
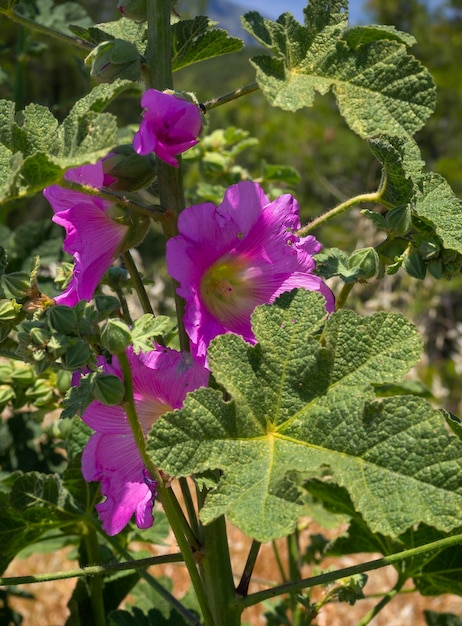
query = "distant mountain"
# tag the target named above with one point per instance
(227, 14)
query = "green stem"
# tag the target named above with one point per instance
(95, 582)
(343, 206)
(171, 507)
(330, 577)
(293, 553)
(243, 586)
(137, 282)
(156, 213)
(380, 605)
(343, 295)
(92, 570)
(158, 74)
(14, 16)
(218, 575)
(152, 582)
(189, 503)
(232, 95)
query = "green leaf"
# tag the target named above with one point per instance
(442, 619)
(194, 41)
(402, 165)
(436, 202)
(379, 87)
(299, 405)
(147, 328)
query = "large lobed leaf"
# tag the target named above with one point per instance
(379, 87)
(301, 401)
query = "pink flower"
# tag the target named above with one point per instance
(92, 237)
(170, 126)
(231, 258)
(161, 380)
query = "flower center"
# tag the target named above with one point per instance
(228, 289)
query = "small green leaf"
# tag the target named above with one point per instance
(442, 619)
(379, 87)
(194, 41)
(147, 328)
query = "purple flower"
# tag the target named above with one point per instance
(161, 380)
(92, 237)
(231, 258)
(170, 126)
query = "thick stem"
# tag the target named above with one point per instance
(343, 295)
(218, 575)
(95, 582)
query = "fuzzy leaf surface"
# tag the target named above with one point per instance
(194, 41)
(35, 152)
(299, 405)
(379, 87)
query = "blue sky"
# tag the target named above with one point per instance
(274, 8)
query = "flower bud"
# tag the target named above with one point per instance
(40, 336)
(17, 284)
(10, 311)
(62, 319)
(399, 220)
(429, 249)
(366, 261)
(76, 356)
(114, 59)
(23, 376)
(125, 170)
(133, 9)
(108, 389)
(116, 336)
(414, 265)
(6, 394)
(40, 394)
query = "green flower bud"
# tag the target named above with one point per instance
(366, 261)
(116, 336)
(77, 355)
(63, 381)
(10, 311)
(435, 268)
(429, 249)
(17, 284)
(391, 249)
(130, 170)
(114, 59)
(6, 369)
(106, 305)
(399, 220)
(40, 394)
(414, 265)
(39, 336)
(62, 319)
(108, 389)
(23, 376)
(133, 9)
(6, 394)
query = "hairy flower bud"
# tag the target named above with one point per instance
(399, 220)
(114, 59)
(366, 261)
(414, 265)
(125, 170)
(116, 336)
(108, 389)
(62, 319)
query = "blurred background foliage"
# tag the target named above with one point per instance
(333, 163)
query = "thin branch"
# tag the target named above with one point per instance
(229, 97)
(329, 577)
(243, 586)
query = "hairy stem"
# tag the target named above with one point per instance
(330, 577)
(137, 282)
(344, 206)
(232, 95)
(243, 586)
